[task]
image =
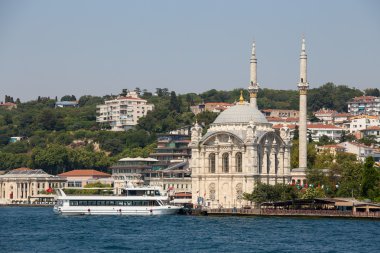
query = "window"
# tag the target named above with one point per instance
(225, 162)
(238, 158)
(211, 159)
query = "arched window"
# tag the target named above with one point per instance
(211, 160)
(239, 165)
(225, 162)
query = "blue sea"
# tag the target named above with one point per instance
(28, 229)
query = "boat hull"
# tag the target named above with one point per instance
(98, 210)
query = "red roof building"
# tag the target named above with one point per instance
(80, 178)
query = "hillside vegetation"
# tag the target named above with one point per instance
(60, 139)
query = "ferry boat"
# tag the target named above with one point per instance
(132, 201)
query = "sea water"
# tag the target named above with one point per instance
(28, 229)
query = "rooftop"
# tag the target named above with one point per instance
(7, 104)
(240, 113)
(371, 128)
(363, 99)
(26, 172)
(323, 126)
(219, 104)
(138, 159)
(81, 173)
(325, 111)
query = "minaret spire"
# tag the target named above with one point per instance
(253, 87)
(302, 87)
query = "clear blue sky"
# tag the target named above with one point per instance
(53, 48)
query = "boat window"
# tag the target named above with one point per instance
(119, 203)
(157, 193)
(100, 203)
(137, 203)
(128, 203)
(73, 203)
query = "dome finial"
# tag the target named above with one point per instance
(241, 99)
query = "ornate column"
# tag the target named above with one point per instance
(281, 161)
(218, 168)
(287, 161)
(272, 168)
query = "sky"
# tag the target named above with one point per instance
(89, 47)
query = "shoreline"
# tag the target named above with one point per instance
(251, 213)
(26, 205)
(285, 213)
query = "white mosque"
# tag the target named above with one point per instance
(239, 149)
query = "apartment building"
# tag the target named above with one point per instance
(362, 122)
(123, 112)
(369, 105)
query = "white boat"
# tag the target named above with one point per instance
(133, 201)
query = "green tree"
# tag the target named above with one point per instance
(271, 193)
(312, 193)
(350, 179)
(296, 134)
(68, 98)
(174, 104)
(294, 154)
(372, 92)
(370, 179)
(324, 140)
(343, 137)
(53, 159)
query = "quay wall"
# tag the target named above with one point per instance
(283, 212)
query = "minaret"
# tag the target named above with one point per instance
(302, 87)
(254, 86)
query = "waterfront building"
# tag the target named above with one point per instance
(210, 107)
(80, 178)
(239, 149)
(28, 186)
(131, 171)
(369, 105)
(172, 147)
(123, 112)
(171, 172)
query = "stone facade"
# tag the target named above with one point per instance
(27, 186)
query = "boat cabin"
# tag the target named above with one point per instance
(140, 192)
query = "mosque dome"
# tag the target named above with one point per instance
(241, 113)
